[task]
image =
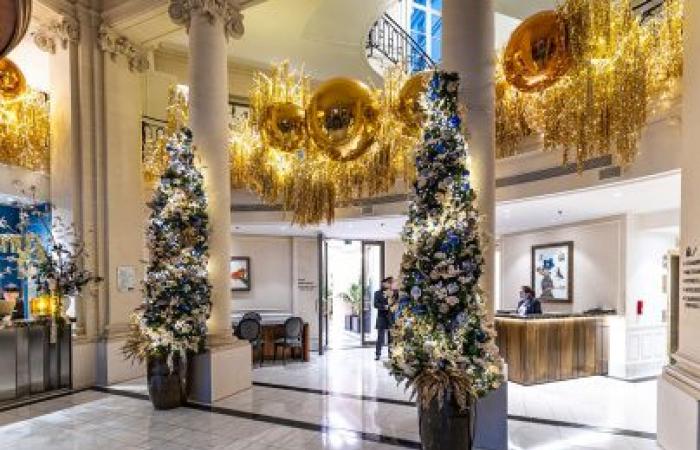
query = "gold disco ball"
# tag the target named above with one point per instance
(12, 81)
(537, 54)
(342, 118)
(408, 107)
(282, 126)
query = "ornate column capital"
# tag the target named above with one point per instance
(114, 45)
(64, 31)
(228, 11)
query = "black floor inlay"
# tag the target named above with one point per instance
(558, 423)
(37, 399)
(366, 398)
(372, 437)
(561, 423)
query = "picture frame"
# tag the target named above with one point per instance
(239, 271)
(552, 272)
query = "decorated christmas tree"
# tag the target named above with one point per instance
(443, 341)
(176, 290)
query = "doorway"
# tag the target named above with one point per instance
(353, 272)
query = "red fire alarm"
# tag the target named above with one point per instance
(640, 307)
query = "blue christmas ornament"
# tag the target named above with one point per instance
(416, 292)
(454, 121)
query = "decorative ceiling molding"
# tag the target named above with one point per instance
(62, 32)
(227, 11)
(115, 45)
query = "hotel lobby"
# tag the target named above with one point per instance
(334, 224)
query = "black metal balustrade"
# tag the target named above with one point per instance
(647, 8)
(387, 39)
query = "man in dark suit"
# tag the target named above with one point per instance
(382, 301)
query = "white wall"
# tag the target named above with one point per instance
(393, 252)
(270, 270)
(305, 283)
(649, 238)
(598, 264)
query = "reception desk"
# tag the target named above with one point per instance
(553, 347)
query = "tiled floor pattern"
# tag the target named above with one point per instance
(343, 400)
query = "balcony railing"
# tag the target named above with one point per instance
(387, 39)
(647, 8)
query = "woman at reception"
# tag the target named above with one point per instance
(528, 304)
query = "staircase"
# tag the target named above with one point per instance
(388, 44)
(647, 8)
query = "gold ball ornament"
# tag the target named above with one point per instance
(283, 126)
(408, 108)
(537, 54)
(12, 81)
(342, 118)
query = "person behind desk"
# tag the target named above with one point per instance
(382, 301)
(528, 304)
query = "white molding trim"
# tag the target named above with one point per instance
(114, 45)
(64, 32)
(227, 11)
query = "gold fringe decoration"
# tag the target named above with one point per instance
(307, 181)
(155, 155)
(25, 131)
(623, 70)
(271, 158)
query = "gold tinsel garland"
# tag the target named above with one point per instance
(621, 69)
(308, 181)
(275, 155)
(155, 154)
(25, 130)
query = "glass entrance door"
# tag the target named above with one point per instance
(372, 275)
(323, 295)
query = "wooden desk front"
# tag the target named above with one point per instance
(543, 349)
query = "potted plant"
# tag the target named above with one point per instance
(443, 344)
(171, 323)
(353, 298)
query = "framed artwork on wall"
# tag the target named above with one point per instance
(553, 272)
(240, 273)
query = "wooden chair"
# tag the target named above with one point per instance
(251, 331)
(293, 338)
(252, 315)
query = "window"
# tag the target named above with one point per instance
(426, 30)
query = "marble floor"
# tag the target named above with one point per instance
(341, 400)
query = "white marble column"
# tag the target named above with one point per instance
(679, 387)
(468, 48)
(210, 23)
